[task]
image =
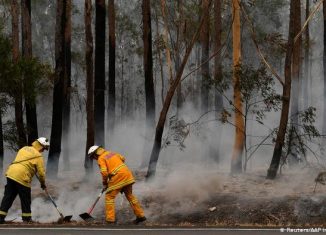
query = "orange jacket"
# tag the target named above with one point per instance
(115, 172)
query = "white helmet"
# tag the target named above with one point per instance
(44, 142)
(92, 149)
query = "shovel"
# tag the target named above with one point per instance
(87, 215)
(63, 219)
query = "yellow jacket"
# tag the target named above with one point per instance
(27, 162)
(114, 171)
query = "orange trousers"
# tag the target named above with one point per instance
(110, 207)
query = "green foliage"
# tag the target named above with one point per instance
(302, 136)
(257, 92)
(268, 20)
(10, 136)
(177, 133)
(28, 73)
(35, 75)
(8, 71)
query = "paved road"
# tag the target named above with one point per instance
(134, 231)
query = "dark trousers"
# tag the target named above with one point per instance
(13, 188)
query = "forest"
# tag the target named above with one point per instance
(227, 97)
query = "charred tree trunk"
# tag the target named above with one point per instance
(295, 77)
(99, 91)
(149, 81)
(56, 129)
(18, 94)
(167, 102)
(30, 103)
(89, 83)
(111, 101)
(204, 57)
(148, 64)
(179, 13)
(1, 144)
(272, 171)
(67, 88)
(218, 73)
(324, 69)
(306, 78)
(236, 161)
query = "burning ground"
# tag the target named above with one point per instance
(195, 199)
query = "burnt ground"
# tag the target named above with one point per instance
(221, 200)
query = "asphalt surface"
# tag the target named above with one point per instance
(138, 231)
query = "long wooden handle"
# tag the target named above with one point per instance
(97, 199)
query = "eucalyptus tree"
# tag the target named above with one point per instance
(236, 160)
(89, 82)
(6, 79)
(99, 84)
(217, 39)
(157, 145)
(306, 74)
(67, 86)
(57, 108)
(295, 77)
(112, 61)
(279, 142)
(19, 117)
(324, 68)
(205, 75)
(30, 102)
(148, 63)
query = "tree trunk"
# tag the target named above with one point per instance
(148, 64)
(149, 81)
(324, 69)
(18, 95)
(306, 62)
(1, 144)
(218, 73)
(167, 102)
(236, 161)
(99, 91)
(67, 88)
(204, 56)
(178, 14)
(273, 168)
(165, 38)
(56, 129)
(112, 45)
(88, 163)
(30, 103)
(296, 64)
(159, 55)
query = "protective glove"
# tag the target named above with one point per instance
(105, 187)
(43, 186)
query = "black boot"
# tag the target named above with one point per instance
(27, 220)
(139, 220)
(2, 219)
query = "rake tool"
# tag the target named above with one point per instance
(87, 215)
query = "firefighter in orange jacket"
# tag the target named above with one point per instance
(28, 161)
(116, 177)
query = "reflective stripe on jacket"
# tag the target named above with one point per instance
(27, 162)
(114, 171)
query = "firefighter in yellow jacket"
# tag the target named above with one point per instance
(27, 163)
(116, 177)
